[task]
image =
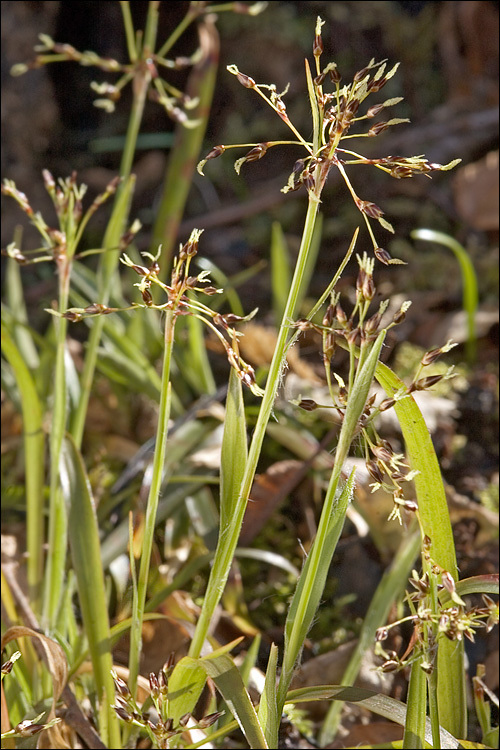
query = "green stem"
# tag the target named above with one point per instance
(152, 507)
(227, 542)
(354, 409)
(57, 535)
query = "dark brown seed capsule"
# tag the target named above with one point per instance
(374, 471)
(387, 403)
(308, 180)
(360, 75)
(374, 86)
(256, 153)
(382, 255)
(318, 45)
(373, 111)
(308, 404)
(428, 382)
(430, 356)
(378, 128)
(147, 297)
(215, 152)
(335, 76)
(369, 208)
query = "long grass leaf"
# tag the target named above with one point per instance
(469, 281)
(377, 703)
(392, 583)
(34, 445)
(83, 535)
(221, 668)
(281, 272)
(416, 709)
(234, 451)
(268, 707)
(435, 519)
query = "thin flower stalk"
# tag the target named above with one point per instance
(332, 115)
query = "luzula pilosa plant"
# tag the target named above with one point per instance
(333, 115)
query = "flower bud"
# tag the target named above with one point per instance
(430, 357)
(360, 75)
(330, 346)
(335, 76)
(318, 45)
(374, 471)
(329, 316)
(341, 316)
(373, 111)
(378, 128)
(387, 403)
(245, 80)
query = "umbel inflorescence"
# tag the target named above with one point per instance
(334, 113)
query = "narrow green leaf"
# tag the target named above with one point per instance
(389, 589)
(416, 711)
(377, 703)
(312, 257)
(15, 300)
(469, 280)
(310, 587)
(433, 510)
(83, 535)
(281, 272)
(224, 673)
(234, 451)
(34, 444)
(268, 715)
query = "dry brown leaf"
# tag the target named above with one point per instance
(268, 492)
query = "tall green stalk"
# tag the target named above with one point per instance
(58, 522)
(152, 507)
(228, 541)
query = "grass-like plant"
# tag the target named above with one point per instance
(435, 712)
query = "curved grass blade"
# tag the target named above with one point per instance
(469, 280)
(379, 704)
(435, 519)
(222, 670)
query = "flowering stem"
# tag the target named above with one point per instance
(57, 533)
(152, 506)
(109, 259)
(227, 542)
